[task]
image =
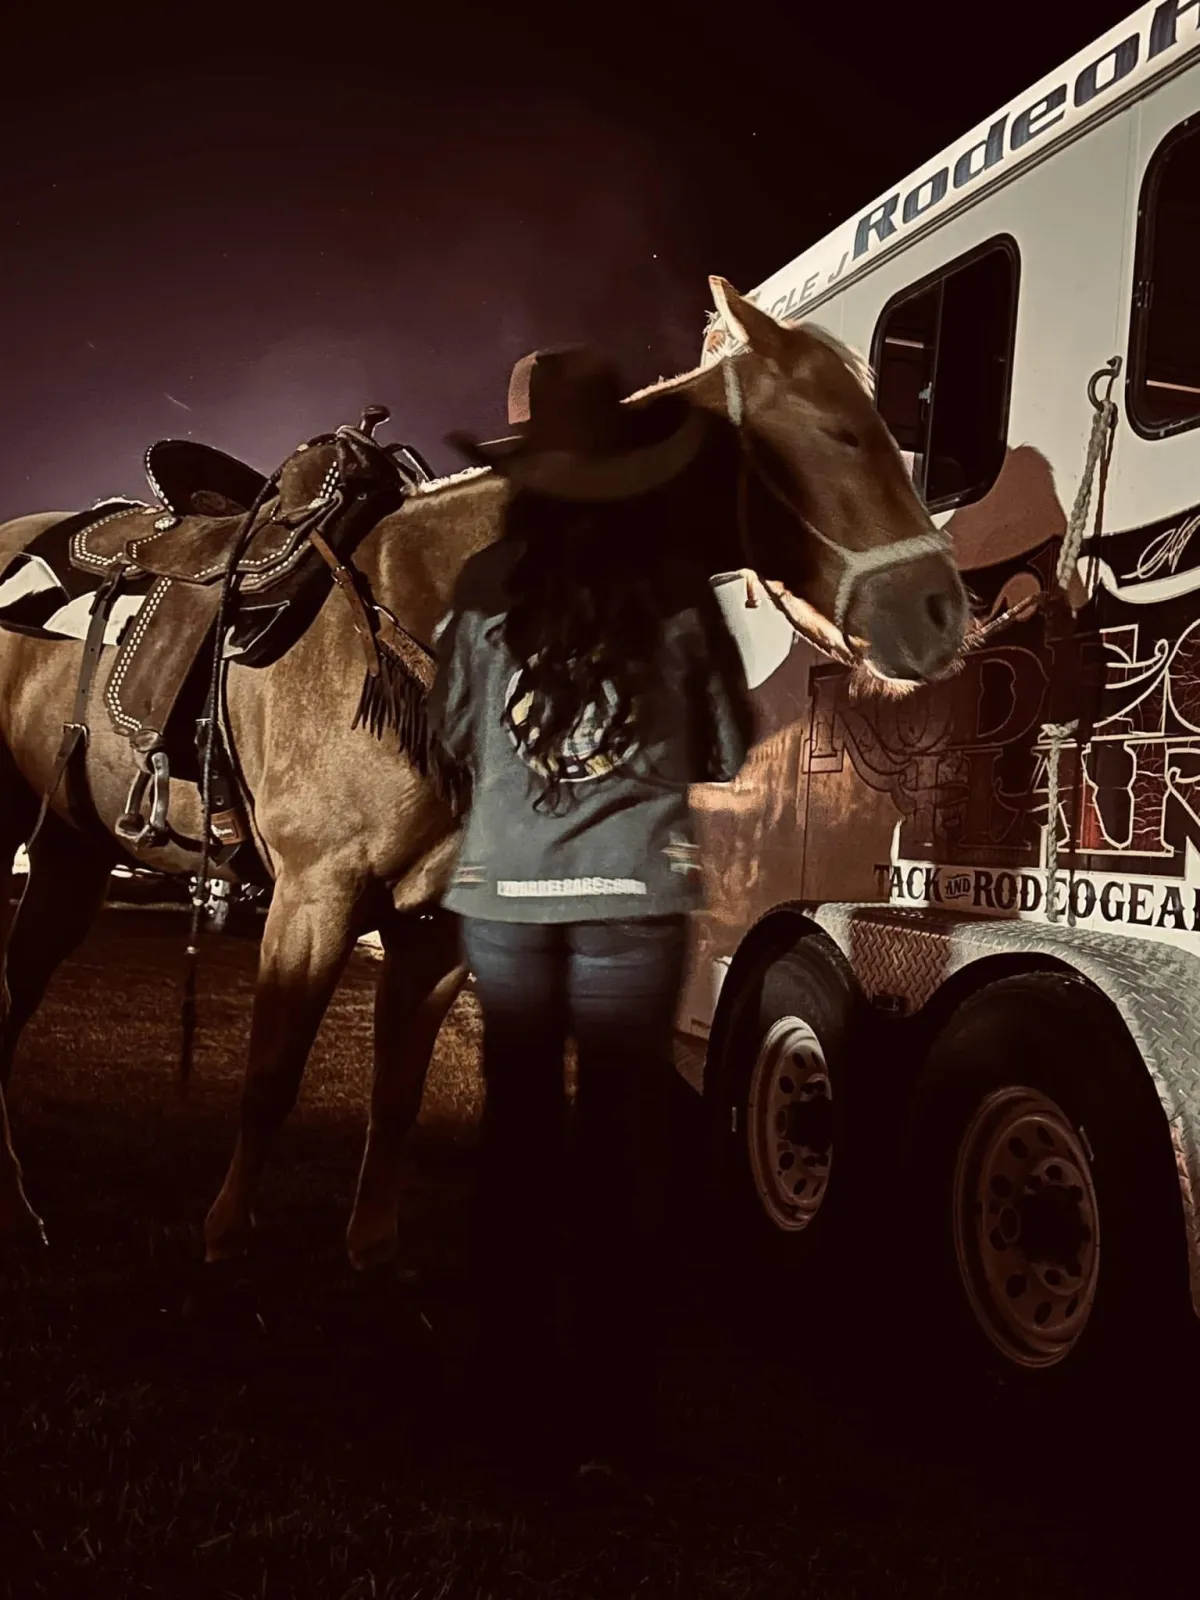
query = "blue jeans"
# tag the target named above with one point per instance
(595, 1181)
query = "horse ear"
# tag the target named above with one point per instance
(747, 323)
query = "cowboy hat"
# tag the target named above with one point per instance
(578, 439)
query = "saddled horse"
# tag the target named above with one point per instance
(797, 479)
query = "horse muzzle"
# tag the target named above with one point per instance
(912, 620)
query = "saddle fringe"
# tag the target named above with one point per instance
(394, 701)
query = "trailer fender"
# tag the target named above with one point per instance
(913, 955)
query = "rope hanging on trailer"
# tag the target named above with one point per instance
(1057, 735)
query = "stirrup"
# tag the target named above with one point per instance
(154, 773)
(214, 897)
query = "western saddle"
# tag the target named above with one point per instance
(237, 564)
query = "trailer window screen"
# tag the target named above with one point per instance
(1164, 389)
(943, 358)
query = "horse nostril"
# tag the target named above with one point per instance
(938, 607)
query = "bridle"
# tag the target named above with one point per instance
(857, 564)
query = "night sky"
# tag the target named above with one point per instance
(230, 223)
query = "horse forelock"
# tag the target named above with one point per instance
(453, 479)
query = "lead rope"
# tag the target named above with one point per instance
(735, 410)
(1058, 734)
(187, 1010)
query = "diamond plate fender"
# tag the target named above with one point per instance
(1155, 987)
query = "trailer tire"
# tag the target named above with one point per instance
(1047, 1216)
(777, 1103)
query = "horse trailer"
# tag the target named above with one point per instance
(953, 935)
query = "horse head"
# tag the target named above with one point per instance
(828, 512)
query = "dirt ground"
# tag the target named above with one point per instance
(301, 1443)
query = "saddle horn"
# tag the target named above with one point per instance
(371, 419)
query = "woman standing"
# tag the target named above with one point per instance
(586, 679)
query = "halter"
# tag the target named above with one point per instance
(858, 564)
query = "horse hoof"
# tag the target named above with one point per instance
(228, 1233)
(26, 1232)
(384, 1272)
(222, 1297)
(374, 1255)
(227, 1249)
(218, 1256)
(378, 1258)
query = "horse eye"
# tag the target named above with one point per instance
(845, 436)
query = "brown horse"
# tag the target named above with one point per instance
(798, 479)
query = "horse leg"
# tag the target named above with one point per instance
(18, 811)
(18, 815)
(18, 1219)
(308, 937)
(421, 976)
(68, 878)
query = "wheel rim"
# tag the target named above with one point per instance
(790, 1124)
(1026, 1226)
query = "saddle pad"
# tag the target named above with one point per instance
(43, 594)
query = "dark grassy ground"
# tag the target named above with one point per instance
(306, 1447)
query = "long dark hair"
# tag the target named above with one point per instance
(587, 600)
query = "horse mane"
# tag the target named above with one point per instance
(455, 480)
(667, 385)
(452, 480)
(857, 363)
(859, 366)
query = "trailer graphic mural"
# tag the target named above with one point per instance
(965, 764)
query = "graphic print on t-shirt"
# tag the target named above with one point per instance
(578, 757)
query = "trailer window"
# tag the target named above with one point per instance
(943, 357)
(1164, 387)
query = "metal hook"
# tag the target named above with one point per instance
(1112, 371)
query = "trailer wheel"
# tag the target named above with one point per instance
(1047, 1207)
(777, 1103)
